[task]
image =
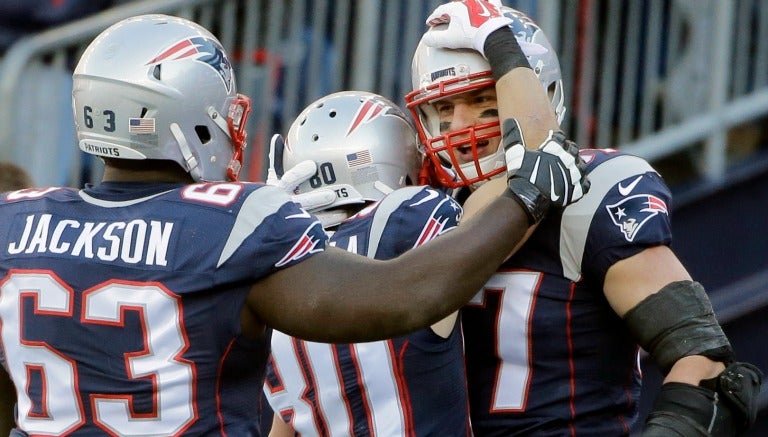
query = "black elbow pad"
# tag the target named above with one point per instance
(676, 322)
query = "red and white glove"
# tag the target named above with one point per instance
(290, 180)
(469, 24)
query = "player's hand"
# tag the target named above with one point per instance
(469, 24)
(290, 180)
(553, 176)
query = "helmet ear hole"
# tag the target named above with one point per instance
(156, 71)
(551, 90)
(203, 133)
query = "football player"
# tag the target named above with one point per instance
(552, 340)
(365, 149)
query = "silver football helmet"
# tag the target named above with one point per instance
(438, 73)
(161, 87)
(363, 144)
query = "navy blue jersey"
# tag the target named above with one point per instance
(120, 304)
(545, 353)
(408, 386)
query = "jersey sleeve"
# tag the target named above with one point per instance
(409, 217)
(271, 232)
(625, 211)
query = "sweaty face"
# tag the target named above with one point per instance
(461, 112)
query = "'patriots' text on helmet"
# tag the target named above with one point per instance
(363, 144)
(162, 88)
(438, 73)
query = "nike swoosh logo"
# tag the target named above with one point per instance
(552, 194)
(302, 214)
(431, 194)
(535, 171)
(628, 189)
(485, 13)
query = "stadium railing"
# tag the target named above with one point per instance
(652, 77)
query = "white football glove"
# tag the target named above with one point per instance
(469, 24)
(552, 176)
(290, 180)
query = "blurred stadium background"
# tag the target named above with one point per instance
(683, 83)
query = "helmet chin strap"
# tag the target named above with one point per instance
(233, 168)
(487, 164)
(382, 187)
(236, 135)
(332, 217)
(189, 159)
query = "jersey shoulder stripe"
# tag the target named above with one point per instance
(257, 205)
(416, 206)
(614, 176)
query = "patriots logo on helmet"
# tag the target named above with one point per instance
(522, 26)
(369, 110)
(200, 49)
(631, 213)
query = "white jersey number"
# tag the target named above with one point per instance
(160, 361)
(512, 340)
(375, 367)
(219, 193)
